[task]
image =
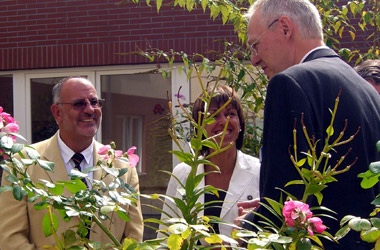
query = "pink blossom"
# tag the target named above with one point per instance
(104, 150)
(315, 224)
(133, 158)
(118, 153)
(7, 117)
(11, 128)
(296, 212)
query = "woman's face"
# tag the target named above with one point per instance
(233, 127)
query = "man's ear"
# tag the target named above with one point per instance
(57, 113)
(286, 25)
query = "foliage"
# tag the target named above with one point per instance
(185, 229)
(93, 205)
(298, 224)
(339, 19)
(369, 228)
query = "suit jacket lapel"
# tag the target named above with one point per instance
(53, 154)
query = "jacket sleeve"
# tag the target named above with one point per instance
(135, 227)
(14, 222)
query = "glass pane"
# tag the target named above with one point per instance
(6, 99)
(43, 123)
(6, 93)
(135, 114)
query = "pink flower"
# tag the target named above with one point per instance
(118, 153)
(11, 128)
(296, 213)
(7, 117)
(315, 224)
(133, 158)
(104, 150)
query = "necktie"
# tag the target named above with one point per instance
(78, 158)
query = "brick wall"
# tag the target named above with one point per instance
(67, 33)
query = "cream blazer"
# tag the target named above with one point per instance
(244, 185)
(21, 224)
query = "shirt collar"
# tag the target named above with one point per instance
(311, 51)
(67, 153)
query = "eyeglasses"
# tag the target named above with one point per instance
(253, 46)
(82, 104)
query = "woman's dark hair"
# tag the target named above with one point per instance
(221, 95)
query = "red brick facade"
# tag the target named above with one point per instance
(72, 33)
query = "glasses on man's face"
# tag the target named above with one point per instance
(82, 103)
(253, 46)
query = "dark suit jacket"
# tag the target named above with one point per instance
(21, 224)
(311, 88)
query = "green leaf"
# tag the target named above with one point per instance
(107, 209)
(342, 232)
(370, 235)
(69, 237)
(375, 167)
(375, 222)
(369, 179)
(359, 224)
(330, 131)
(41, 205)
(47, 165)
(378, 146)
(304, 244)
(123, 215)
(6, 142)
(174, 242)
(74, 185)
(32, 153)
(47, 224)
(301, 162)
(5, 188)
(57, 189)
(196, 143)
(17, 147)
(122, 172)
(183, 157)
(12, 178)
(209, 144)
(178, 228)
(19, 193)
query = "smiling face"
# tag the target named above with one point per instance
(77, 126)
(233, 127)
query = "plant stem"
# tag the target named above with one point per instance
(105, 230)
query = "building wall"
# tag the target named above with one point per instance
(52, 33)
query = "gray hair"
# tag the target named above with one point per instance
(56, 92)
(302, 12)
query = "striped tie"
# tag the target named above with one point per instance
(78, 158)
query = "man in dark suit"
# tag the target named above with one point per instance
(77, 111)
(305, 77)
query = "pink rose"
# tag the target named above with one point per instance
(315, 224)
(7, 117)
(133, 158)
(296, 212)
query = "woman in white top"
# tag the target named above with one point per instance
(239, 172)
